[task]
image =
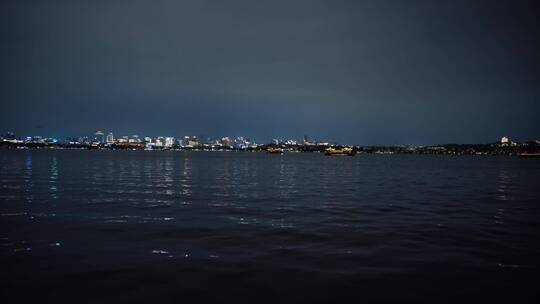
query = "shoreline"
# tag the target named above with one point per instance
(358, 150)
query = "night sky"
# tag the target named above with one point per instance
(357, 72)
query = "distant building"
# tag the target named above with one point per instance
(160, 141)
(191, 141)
(100, 136)
(290, 142)
(169, 142)
(322, 143)
(225, 141)
(241, 143)
(505, 140)
(110, 138)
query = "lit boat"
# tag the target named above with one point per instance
(340, 151)
(274, 150)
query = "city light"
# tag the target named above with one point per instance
(504, 146)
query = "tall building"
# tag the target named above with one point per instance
(169, 142)
(110, 138)
(100, 136)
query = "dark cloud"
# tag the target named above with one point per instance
(363, 72)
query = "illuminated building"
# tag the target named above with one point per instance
(169, 142)
(160, 141)
(225, 141)
(100, 136)
(191, 141)
(135, 139)
(110, 138)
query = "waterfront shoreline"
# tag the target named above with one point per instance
(358, 150)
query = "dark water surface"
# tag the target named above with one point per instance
(136, 226)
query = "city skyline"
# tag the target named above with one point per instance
(238, 142)
(297, 137)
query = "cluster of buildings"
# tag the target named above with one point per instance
(168, 142)
(109, 140)
(9, 137)
(101, 140)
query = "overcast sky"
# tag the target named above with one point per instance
(358, 72)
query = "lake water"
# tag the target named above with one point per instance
(147, 226)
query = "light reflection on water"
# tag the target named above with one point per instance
(504, 182)
(185, 180)
(53, 178)
(234, 205)
(28, 179)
